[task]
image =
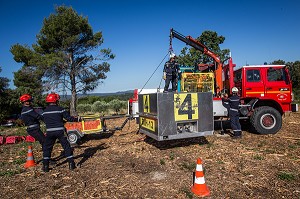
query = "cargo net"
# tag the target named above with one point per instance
(197, 82)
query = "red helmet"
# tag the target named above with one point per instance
(25, 98)
(52, 98)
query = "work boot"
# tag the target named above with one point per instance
(52, 162)
(45, 167)
(236, 137)
(222, 132)
(72, 165)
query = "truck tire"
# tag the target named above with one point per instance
(266, 120)
(73, 137)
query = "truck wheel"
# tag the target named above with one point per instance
(266, 120)
(73, 137)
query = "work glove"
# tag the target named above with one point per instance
(224, 95)
(165, 76)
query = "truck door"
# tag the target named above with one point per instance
(254, 83)
(278, 86)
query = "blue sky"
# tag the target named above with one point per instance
(137, 31)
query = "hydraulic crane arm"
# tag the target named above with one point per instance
(202, 48)
(194, 43)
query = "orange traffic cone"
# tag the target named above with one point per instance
(199, 188)
(30, 161)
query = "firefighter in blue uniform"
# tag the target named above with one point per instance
(232, 104)
(170, 73)
(53, 117)
(31, 119)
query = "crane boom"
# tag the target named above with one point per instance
(202, 48)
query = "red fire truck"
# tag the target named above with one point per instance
(265, 91)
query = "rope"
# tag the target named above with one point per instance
(159, 84)
(153, 73)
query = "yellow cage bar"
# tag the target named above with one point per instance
(197, 82)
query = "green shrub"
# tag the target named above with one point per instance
(258, 157)
(84, 108)
(100, 107)
(286, 176)
(117, 105)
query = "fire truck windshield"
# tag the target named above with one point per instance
(276, 74)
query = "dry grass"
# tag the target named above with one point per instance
(124, 165)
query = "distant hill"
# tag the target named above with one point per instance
(109, 94)
(99, 94)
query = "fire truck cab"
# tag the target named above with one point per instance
(266, 94)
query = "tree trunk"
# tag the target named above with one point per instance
(73, 103)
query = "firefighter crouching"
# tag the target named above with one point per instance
(53, 116)
(232, 104)
(170, 73)
(31, 119)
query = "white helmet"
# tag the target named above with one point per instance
(235, 90)
(172, 55)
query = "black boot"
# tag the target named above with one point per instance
(52, 162)
(45, 166)
(72, 165)
(222, 132)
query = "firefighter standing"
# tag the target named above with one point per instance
(232, 104)
(170, 73)
(31, 119)
(54, 116)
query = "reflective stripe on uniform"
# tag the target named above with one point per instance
(233, 109)
(236, 100)
(31, 126)
(50, 112)
(199, 180)
(46, 158)
(70, 157)
(26, 112)
(56, 129)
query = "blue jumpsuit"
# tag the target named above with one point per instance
(171, 68)
(54, 116)
(31, 120)
(232, 104)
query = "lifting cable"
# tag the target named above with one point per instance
(154, 72)
(169, 52)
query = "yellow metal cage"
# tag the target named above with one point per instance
(197, 82)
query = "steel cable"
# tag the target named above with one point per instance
(153, 73)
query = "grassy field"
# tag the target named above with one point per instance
(126, 164)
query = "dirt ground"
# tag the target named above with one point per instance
(124, 165)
